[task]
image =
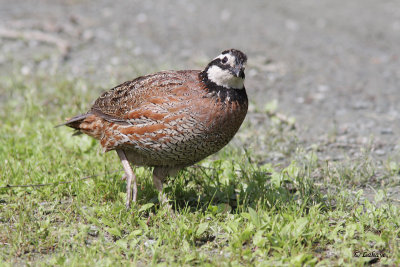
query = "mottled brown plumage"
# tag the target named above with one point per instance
(170, 119)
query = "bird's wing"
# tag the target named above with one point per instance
(116, 104)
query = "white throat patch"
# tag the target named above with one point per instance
(224, 78)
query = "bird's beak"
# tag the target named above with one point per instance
(238, 71)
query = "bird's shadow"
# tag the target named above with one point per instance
(201, 189)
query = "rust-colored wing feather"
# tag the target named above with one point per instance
(115, 104)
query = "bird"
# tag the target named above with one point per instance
(169, 120)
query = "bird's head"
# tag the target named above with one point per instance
(227, 69)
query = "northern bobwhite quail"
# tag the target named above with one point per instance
(170, 119)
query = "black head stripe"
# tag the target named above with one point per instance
(240, 59)
(218, 62)
(239, 55)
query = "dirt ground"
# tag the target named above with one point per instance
(332, 65)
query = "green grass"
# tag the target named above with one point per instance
(233, 210)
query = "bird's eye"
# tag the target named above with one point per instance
(224, 60)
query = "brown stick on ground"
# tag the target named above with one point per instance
(39, 36)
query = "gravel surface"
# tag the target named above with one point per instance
(332, 65)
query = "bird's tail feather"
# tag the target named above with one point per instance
(74, 122)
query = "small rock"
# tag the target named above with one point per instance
(360, 105)
(149, 243)
(25, 70)
(93, 231)
(291, 25)
(87, 35)
(318, 96)
(225, 15)
(380, 152)
(141, 18)
(362, 140)
(323, 88)
(386, 131)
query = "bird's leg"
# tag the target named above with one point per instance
(129, 176)
(159, 175)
